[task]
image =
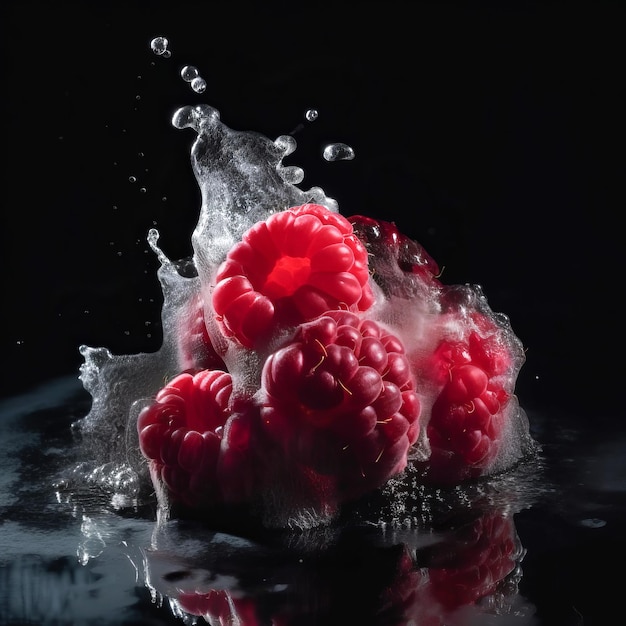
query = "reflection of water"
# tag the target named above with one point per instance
(88, 556)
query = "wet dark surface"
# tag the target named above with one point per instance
(536, 546)
(490, 135)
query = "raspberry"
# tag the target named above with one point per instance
(340, 399)
(195, 349)
(399, 264)
(180, 434)
(289, 269)
(469, 414)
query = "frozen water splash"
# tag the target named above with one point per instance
(463, 357)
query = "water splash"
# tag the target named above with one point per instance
(243, 182)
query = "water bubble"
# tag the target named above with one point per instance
(159, 45)
(198, 84)
(338, 152)
(286, 143)
(311, 115)
(188, 73)
(167, 54)
(132, 179)
(142, 189)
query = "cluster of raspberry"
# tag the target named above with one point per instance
(366, 362)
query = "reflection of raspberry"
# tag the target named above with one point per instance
(180, 433)
(219, 607)
(467, 418)
(340, 398)
(477, 564)
(290, 268)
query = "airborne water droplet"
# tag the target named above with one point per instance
(338, 152)
(159, 45)
(198, 84)
(188, 73)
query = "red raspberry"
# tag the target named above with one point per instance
(195, 349)
(398, 263)
(469, 414)
(289, 269)
(180, 434)
(340, 398)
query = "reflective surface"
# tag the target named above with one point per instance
(531, 547)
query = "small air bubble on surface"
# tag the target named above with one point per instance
(338, 152)
(593, 522)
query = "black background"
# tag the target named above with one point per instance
(490, 132)
(493, 133)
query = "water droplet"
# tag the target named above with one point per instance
(188, 73)
(593, 522)
(286, 143)
(338, 152)
(159, 45)
(198, 84)
(311, 115)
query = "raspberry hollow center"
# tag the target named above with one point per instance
(288, 274)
